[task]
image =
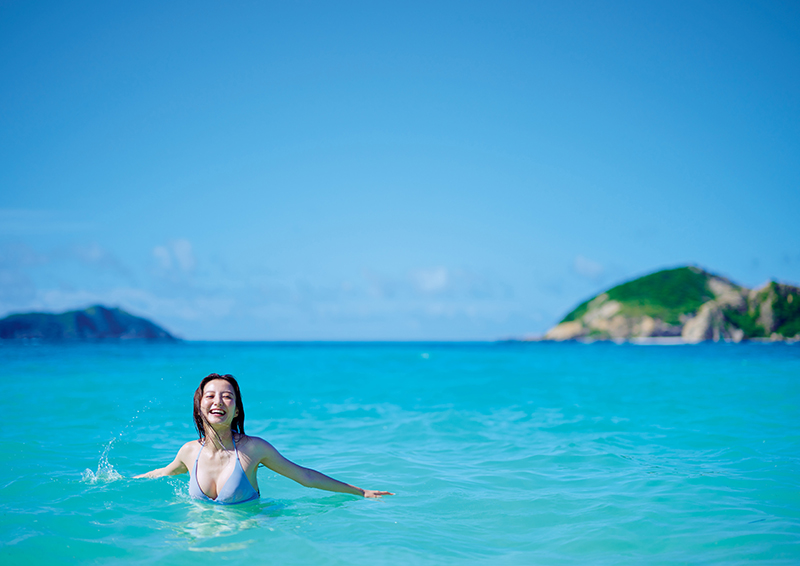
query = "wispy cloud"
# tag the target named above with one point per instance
(431, 280)
(27, 222)
(19, 254)
(588, 268)
(177, 293)
(95, 255)
(434, 283)
(175, 258)
(16, 288)
(25, 272)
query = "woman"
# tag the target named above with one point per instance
(222, 463)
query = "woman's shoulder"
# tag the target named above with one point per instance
(252, 444)
(245, 439)
(190, 447)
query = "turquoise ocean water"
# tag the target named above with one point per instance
(499, 454)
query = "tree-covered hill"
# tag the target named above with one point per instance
(688, 304)
(96, 323)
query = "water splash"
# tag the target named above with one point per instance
(105, 470)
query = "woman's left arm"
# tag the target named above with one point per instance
(307, 477)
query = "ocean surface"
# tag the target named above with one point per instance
(498, 453)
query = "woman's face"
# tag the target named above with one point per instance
(219, 402)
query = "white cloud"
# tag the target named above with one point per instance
(24, 271)
(260, 305)
(431, 280)
(182, 251)
(138, 301)
(175, 256)
(96, 256)
(587, 268)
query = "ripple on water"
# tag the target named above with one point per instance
(554, 455)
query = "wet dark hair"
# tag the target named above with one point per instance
(199, 420)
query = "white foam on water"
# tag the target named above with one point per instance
(223, 548)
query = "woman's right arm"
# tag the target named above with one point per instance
(177, 466)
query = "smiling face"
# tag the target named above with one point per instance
(218, 403)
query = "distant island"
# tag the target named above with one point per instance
(686, 304)
(95, 324)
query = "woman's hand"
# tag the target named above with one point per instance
(375, 494)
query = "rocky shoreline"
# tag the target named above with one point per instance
(685, 305)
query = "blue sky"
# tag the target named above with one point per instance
(389, 171)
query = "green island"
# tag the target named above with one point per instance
(94, 324)
(685, 304)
